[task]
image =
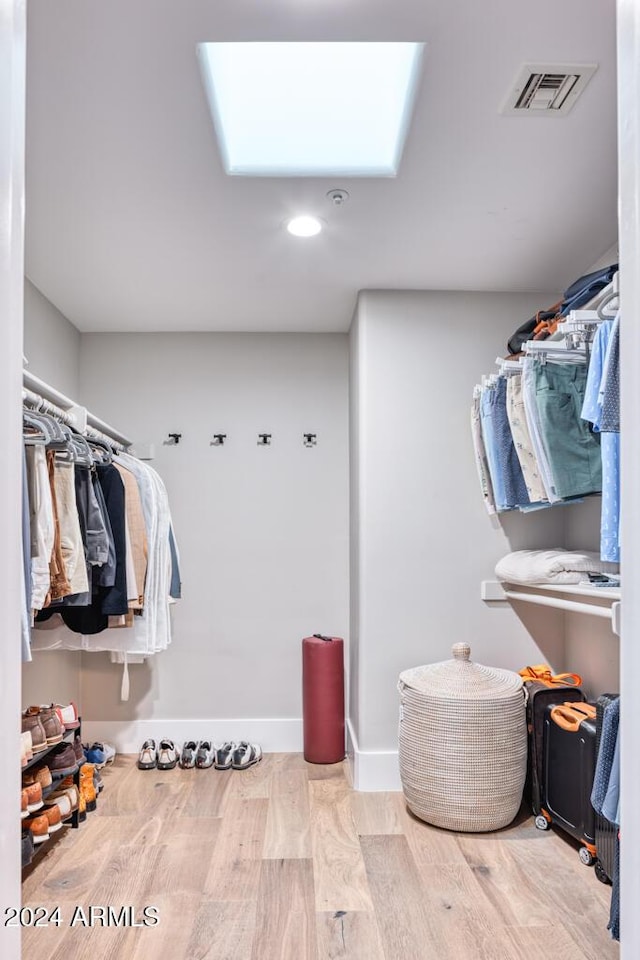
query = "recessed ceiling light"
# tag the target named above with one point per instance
(311, 109)
(304, 226)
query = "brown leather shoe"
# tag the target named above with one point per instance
(42, 776)
(34, 797)
(39, 827)
(62, 761)
(33, 723)
(51, 723)
(54, 816)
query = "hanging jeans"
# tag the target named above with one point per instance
(506, 474)
(572, 448)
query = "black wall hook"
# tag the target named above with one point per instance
(175, 437)
(310, 439)
(264, 439)
(218, 440)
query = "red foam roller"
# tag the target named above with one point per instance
(323, 698)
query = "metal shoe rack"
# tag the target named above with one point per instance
(39, 759)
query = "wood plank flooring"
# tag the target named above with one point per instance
(285, 862)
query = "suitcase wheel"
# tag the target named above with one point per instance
(542, 823)
(601, 874)
(586, 856)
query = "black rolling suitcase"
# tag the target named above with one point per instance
(539, 697)
(606, 832)
(569, 768)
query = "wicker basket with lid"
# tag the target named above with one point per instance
(463, 743)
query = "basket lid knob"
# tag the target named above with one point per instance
(461, 651)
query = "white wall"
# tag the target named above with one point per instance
(629, 214)
(51, 342)
(424, 539)
(52, 347)
(12, 115)
(355, 413)
(263, 533)
(592, 648)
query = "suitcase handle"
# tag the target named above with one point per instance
(569, 716)
(542, 673)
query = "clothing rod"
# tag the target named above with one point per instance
(47, 392)
(28, 396)
(572, 605)
(45, 406)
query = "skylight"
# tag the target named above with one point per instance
(311, 109)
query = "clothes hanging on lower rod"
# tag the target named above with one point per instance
(97, 535)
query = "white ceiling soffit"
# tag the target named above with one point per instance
(133, 225)
(548, 89)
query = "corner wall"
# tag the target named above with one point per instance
(424, 540)
(51, 343)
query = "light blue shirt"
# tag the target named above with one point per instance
(609, 446)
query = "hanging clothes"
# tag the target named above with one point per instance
(71, 542)
(605, 796)
(504, 467)
(480, 453)
(610, 386)
(59, 584)
(137, 534)
(572, 448)
(592, 411)
(25, 625)
(41, 524)
(534, 424)
(522, 440)
(134, 632)
(99, 547)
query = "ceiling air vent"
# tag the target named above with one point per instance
(548, 89)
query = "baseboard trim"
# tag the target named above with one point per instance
(372, 770)
(273, 735)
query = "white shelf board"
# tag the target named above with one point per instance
(560, 597)
(575, 589)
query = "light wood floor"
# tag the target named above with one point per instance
(285, 862)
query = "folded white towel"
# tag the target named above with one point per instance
(550, 566)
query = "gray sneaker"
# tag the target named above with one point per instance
(224, 755)
(205, 755)
(188, 755)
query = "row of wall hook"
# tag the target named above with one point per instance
(264, 439)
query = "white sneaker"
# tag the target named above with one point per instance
(245, 755)
(167, 755)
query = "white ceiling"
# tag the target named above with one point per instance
(133, 226)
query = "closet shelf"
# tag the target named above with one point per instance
(606, 599)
